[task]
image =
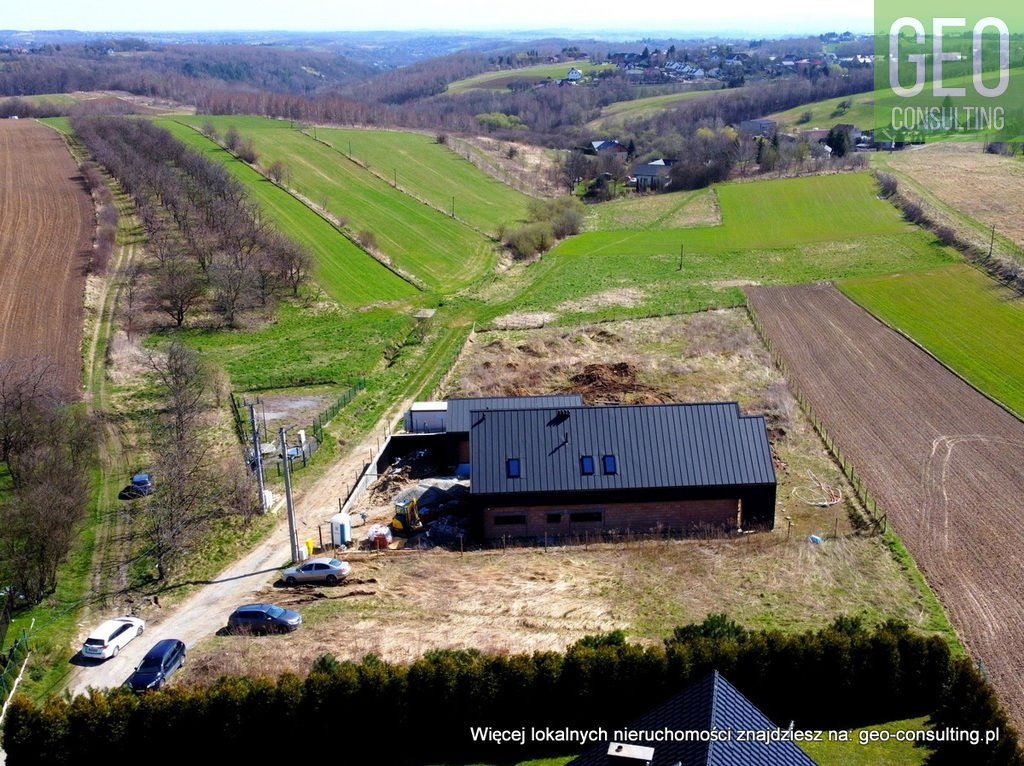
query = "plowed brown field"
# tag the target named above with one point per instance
(46, 226)
(945, 463)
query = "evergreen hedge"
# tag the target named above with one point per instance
(376, 712)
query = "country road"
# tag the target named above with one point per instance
(206, 611)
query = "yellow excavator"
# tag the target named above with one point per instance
(407, 519)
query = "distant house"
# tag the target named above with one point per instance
(652, 176)
(762, 127)
(574, 75)
(812, 135)
(608, 145)
(710, 705)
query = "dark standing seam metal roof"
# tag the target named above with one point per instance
(712, 703)
(459, 409)
(655, 446)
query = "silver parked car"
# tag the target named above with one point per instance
(320, 569)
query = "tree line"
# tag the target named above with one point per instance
(179, 72)
(209, 243)
(843, 676)
(47, 447)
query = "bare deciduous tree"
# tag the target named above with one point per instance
(177, 288)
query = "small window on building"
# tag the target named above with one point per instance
(512, 468)
(583, 516)
(554, 518)
(609, 465)
(587, 465)
(509, 519)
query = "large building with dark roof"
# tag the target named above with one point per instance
(710, 705)
(550, 470)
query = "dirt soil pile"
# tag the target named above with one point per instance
(614, 383)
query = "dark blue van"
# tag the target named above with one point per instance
(156, 667)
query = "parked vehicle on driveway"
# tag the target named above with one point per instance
(160, 662)
(140, 486)
(263, 618)
(320, 569)
(108, 639)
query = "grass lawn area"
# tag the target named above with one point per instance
(422, 241)
(500, 80)
(346, 273)
(853, 753)
(772, 232)
(970, 322)
(302, 347)
(433, 172)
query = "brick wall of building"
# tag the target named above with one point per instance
(538, 520)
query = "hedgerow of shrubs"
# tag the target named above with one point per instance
(549, 221)
(375, 712)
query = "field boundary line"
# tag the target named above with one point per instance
(917, 343)
(366, 166)
(315, 209)
(898, 549)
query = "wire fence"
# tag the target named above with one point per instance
(327, 415)
(878, 518)
(12, 666)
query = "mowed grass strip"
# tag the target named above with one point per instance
(969, 322)
(433, 172)
(500, 80)
(439, 251)
(346, 273)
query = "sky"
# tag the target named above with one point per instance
(655, 19)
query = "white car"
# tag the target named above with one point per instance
(110, 637)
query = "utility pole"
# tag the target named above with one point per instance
(680, 258)
(453, 207)
(992, 241)
(257, 454)
(292, 538)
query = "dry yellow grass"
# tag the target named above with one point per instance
(403, 603)
(985, 187)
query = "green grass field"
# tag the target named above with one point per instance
(971, 323)
(824, 113)
(638, 108)
(772, 232)
(346, 273)
(440, 252)
(888, 753)
(670, 211)
(434, 173)
(60, 99)
(322, 347)
(538, 73)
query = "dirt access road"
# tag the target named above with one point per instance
(943, 461)
(46, 225)
(206, 611)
